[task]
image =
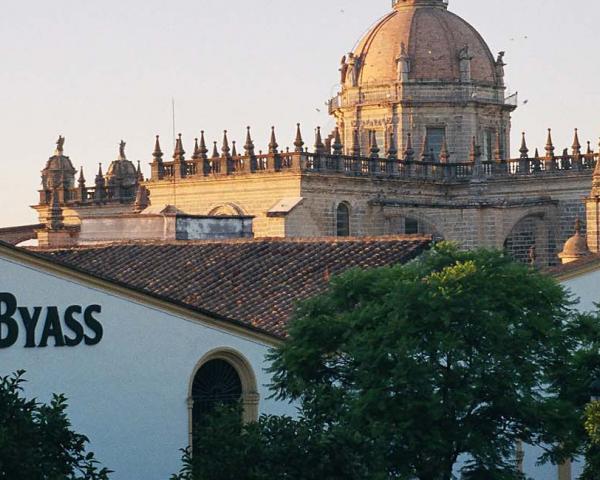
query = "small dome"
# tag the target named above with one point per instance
(575, 247)
(432, 38)
(122, 171)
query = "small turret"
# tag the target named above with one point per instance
(338, 147)
(59, 173)
(576, 247)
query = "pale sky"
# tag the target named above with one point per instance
(101, 71)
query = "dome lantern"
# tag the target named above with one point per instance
(399, 4)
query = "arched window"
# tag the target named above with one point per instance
(215, 383)
(343, 220)
(222, 377)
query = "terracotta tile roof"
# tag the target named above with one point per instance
(254, 282)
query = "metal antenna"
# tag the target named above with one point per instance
(173, 108)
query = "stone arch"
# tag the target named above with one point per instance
(249, 390)
(20, 234)
(227, 210)
(533, 233)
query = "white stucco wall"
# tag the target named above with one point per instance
(586, 288)
(128, 393)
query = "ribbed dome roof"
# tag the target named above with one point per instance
(576, 246)
(60, 163)
(433, 38)
(123, 171)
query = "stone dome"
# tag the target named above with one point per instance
(431, 38)
(575, 247)
(123, 171)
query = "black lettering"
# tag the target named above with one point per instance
(93, 324)
(7, 321)
(52, 328)
(30, 322)
(73, 325)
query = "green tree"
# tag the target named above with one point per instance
(36, 440)
(455, 354)
(274, 447)
(592, 453)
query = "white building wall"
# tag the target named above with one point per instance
(129, 392)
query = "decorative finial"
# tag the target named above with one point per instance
(225, 150)
(157, 154)
(374, 147)
(234, 152)
(196, 154)
(524, 150)
(81, 180)
(273, 143)
(140, 175)
(249, 146)
(338, 147)
(549, 145)
(215, 153)
(179, 152)
(298, 143)
(576, 144)
(578, 226)
(319, 145)
(202, 150)
(392, 153)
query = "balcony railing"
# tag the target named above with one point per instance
(372, 167)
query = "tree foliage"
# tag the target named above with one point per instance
(36, 440)
(592, 454)
(457, 353)
(403, 372)
(274, 447)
